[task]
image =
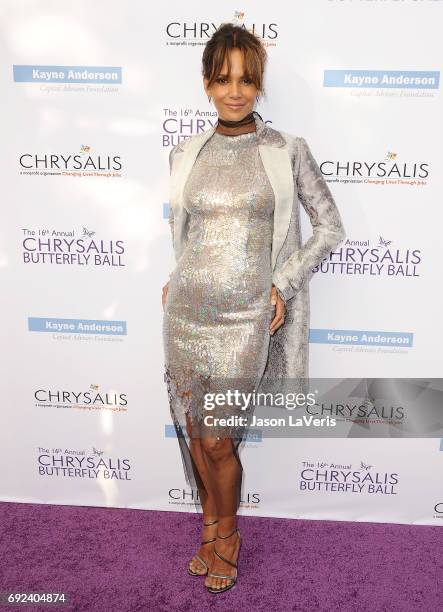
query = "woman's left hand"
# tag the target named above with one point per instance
(280, 310)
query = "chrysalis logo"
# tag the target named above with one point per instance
(83, 159)
(330, 477)
(179, 32)
(362, 170)
(62, 247)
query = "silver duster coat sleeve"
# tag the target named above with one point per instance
(328, 231)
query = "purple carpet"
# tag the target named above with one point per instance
(109, 559)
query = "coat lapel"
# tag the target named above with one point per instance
(276, 162)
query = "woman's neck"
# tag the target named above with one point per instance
(235, 128)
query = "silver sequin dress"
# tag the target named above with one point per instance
(217, 311)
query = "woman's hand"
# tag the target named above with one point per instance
(280, 310)
(164, 294)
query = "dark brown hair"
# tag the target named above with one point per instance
(225, 38)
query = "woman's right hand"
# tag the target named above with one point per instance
(164, 294)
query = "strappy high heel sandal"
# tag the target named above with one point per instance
(233, 579)
(202, 561)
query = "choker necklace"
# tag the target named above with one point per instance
(233, 124)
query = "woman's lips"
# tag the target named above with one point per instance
(235, 106)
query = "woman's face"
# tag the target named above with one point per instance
(233, 97)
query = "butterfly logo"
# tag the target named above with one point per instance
(96, 452)
(93, 387)
(391, 156)
(383, 242)
(364, 466)
(238, 16)
(88, 233)
(85, 149)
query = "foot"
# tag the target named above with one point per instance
(205, 550)
(228, 548)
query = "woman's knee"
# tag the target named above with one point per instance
(217, 448)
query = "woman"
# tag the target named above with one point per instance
(240, 280)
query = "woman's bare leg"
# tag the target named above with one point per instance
(207, 499)
(225, 471)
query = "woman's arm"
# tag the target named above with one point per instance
(327, 225)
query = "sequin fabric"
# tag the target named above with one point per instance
(217, 311)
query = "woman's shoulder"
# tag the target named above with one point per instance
(183, 144)
(294, 143)
(290, 138)
(176, 148)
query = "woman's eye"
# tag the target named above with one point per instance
(223, 80)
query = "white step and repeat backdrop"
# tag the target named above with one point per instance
(94, 96)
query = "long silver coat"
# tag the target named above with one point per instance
(295, 178)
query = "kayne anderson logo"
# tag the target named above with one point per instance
(88, 79)
(390, 170)
(83, 163)
(87, 330)
(407, 82)
(92, 399)
(370, 258)
(362, 340)
(44, 246)
(67, 74)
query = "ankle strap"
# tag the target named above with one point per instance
(210, 523)
(228, 536)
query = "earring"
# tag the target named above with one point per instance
(209, 99)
